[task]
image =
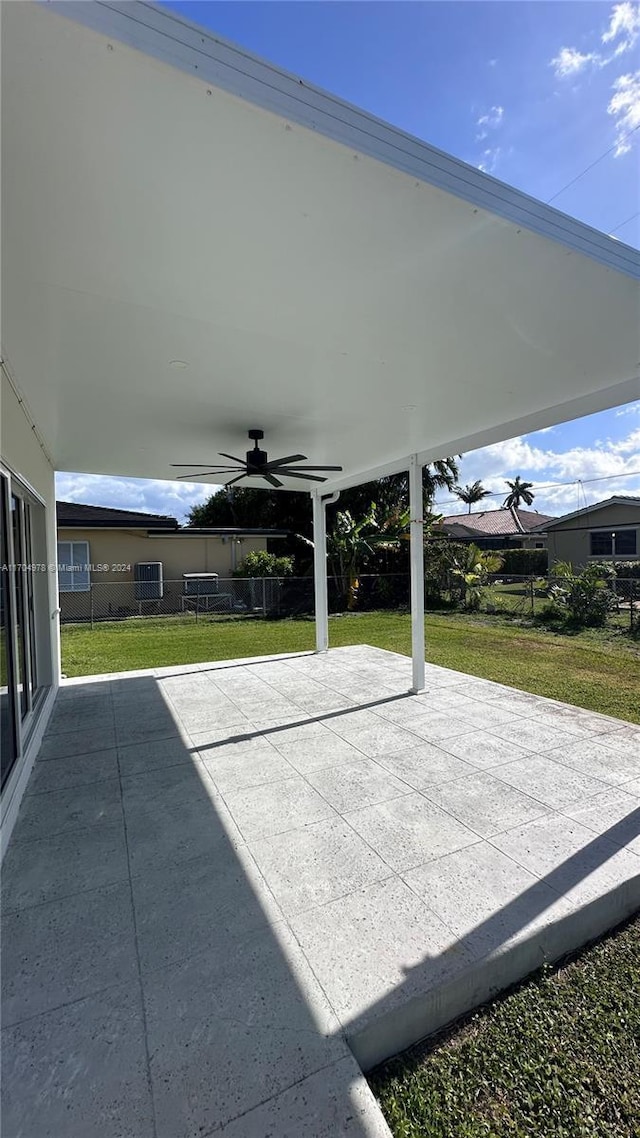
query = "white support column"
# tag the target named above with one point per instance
(320, 571)
(417, 573)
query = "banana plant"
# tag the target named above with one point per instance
(352, 540)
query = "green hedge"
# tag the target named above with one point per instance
(627, 568)
(525, 562)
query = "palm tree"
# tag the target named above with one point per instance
(471, 493)
(519, 491)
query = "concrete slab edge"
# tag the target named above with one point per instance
(422, 1016)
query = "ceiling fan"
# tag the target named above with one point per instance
(256, 464)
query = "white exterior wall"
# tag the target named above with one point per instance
(23, 458)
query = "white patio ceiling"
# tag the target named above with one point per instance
(357, 294)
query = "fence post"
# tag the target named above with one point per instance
(533, 596)
(91, 605)
(264, 596)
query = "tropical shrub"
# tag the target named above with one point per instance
(259, 563)
(586, 597)
(441, 556)
(471, 571)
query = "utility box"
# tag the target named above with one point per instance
(200, 584)
(148, 583)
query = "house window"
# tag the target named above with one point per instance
(625, 543)
(73, 567)
(539, 545)
(613, 543)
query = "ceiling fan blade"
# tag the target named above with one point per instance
(285, 461)
(198, 464)
(203, 474)
(314, 467)
(232, 457)
(237, 479)
(294, 474)
(273, 481)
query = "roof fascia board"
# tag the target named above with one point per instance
(168, 38)
(105, 525)
(615, 501)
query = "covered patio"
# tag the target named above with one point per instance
(232, 886)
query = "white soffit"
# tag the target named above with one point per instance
(356, 293)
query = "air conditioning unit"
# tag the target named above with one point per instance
(148, 581)
(200, 584)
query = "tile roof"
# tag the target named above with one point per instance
(494, 523)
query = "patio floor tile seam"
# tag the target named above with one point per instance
(419, 864)
(74, 755)
(136, 945)
(605, 786)
(100, 991)
(580, 736)
(277, 1094)
(556, 755)
(71, 829)
(621, 845)
(544, 876)
(11, 909)
(69, 785)
(317, 907)
(392, 871)
(494, 771)
(265, 835)
(52, 733)
(424, 792)
(305, 775)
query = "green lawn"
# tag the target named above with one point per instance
(557, 1058)
(589, 669)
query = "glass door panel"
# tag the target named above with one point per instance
(21, 615)
(8, 735)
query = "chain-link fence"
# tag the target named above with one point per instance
(276, 597)
(618, 600)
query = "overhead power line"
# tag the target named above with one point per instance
(552, 485)
(595, 162)
(626, 222)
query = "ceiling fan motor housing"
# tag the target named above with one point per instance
(256, 458)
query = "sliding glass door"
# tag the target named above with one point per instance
(19, 671)
(8, 724)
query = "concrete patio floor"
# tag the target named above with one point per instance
(232, 886)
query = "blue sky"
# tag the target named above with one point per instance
(534, 93)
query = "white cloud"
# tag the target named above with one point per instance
(489, 121)
(630, 409)
(614, 463)
(490, 159)
(624, 106)
(147, 495)
(622, 33)
(624, 27)
(570, 61)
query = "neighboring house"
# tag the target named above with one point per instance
(606, 531)
(506, 528)
(100, 548)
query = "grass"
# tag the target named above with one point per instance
(587, 669)
(559, 1057)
